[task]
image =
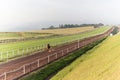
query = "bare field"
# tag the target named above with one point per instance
(43, 33)
(66, 31)
(19, 35)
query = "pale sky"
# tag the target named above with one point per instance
(18, 15)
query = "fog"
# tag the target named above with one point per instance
(23, 15)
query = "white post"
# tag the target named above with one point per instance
(38, 63)
(5, 76)
(48, 59)
(24, 69)
(78, 44)
(56, 55)
(62, 53)
(67, 50)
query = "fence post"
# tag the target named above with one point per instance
(5, 75)
(38, 63)
(48, 58)
(78, 43)
(67, 50)
(24, 69)
(62, 53)
(56, 55)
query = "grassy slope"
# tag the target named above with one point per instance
(100, 63)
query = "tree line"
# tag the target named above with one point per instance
(74, 25)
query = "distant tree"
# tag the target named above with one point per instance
(51, 27)
(74, 25)
(61, 26)
(44, 28)
(116, 30)
(98, 25)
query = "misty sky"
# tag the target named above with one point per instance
(18, 15)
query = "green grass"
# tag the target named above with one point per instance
(59, 64)
(42, 42)
(100, 63)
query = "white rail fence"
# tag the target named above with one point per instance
(35, 64)
(27, 68)
(6, 55)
